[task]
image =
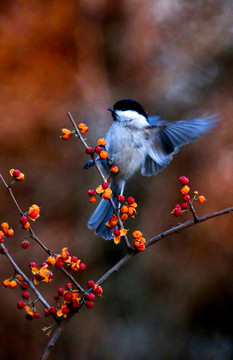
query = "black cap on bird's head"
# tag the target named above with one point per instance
(128, 104)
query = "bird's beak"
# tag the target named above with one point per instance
(110, 109)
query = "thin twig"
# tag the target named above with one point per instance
(130, 249)
(19, 271)
(33, 236)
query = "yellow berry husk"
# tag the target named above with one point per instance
(185, 190)
(201, 199)
(26, 226)
(103, 154)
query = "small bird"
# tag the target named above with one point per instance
(135, 142)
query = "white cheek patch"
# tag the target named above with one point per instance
(131, 116)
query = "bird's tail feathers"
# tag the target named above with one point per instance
(103, 213)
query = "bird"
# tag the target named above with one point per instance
(138, 142)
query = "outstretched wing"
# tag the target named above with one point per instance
(166, 139)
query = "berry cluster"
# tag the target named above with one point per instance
(70, 301)
(139, 241)
(5, 231)
(72, 262)
(187, 201)
(99, 149)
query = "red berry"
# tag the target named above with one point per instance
(177, 206)
(82, 267)
(89, 304)
(69, 285)
(90, 284)
(23, 220)
(60, 291)
(25, 295)
(56, 297)
(185, 206)
(184, 180)
(33, 264)
(186, 198)
(65, 310)
(74, 258)
(177, 212)
(52, 310)
(98, 290)
(46, 312)
(98, 149)
(121, 198)
(116, 232)
(24, 285)
(105, 185)
(91, 192)
(33, 214)
(68, 296)
(1, 240)
(20, 304)
(16, 173)
(90, 297)
(36, 315)
(43, 264)
(89, 150)
(130, 200)
(25, 244)
(59, 264)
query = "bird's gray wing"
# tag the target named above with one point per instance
(166, 138)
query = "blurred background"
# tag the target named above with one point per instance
(175, 301)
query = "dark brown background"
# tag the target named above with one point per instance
(175, 57)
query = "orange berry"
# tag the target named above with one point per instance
(201, 199)
(4, 226)
(84, 130)
(124, 217)
(81, 126)
(101, 142)
(103, 154)
(51, 260)
(1, 233)
(19, 278)
(93, 199)
(106, 195)
(13, 284)
(136, 243)
(137, 234)
(10, 232)
(141, 247)
(114, 169)
(124, 209)
(185, 190)
(6, 283)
